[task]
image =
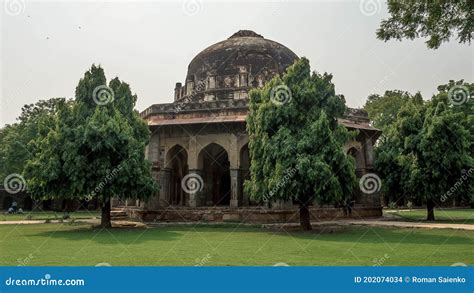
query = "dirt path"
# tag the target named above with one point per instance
(412, 224)
(368, 222)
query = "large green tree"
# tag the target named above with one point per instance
(15, 147)
(296, 143)
(426, 152)
(437, 20)
(96, 148)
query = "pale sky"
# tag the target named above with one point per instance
(46, 46)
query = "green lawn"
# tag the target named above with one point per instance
(79, 244)
(456, 216)
(36, 215)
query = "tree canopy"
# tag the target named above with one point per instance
(95, 148)
(438, 21)
(427, 150)
(296, 143)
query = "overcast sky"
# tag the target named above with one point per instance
(47, 46)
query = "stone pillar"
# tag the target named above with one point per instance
(177, 91)
(195, 185)
(369, 153)
(164, 177)
(235, 188)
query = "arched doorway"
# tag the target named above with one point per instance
(177, 163)
(214, 163)
(28, 203)
(7, 202)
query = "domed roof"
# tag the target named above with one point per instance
(244, 60)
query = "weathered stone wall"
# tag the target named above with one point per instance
(249, 215)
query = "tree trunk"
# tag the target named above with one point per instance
(430, 208)
(105, 218)
(305, 217)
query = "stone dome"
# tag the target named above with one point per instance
(228, 69)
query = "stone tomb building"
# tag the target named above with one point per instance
(199, 146)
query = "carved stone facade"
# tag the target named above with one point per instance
(199, 146)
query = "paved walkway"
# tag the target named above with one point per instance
(412, 224)
(369, 222)
(26, 222)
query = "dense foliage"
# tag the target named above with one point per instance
(437, 20)
(90, 148)
(296, 143)
(15, 146)
(426, 153)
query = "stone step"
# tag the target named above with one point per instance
(118, 214)
(118, 217)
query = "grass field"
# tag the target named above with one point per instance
(455, 216)
(79, 244)
(35, 215)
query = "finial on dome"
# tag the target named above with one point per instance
(245, 33)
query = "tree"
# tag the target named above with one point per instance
(438, 20)
(296, 143)
(425, 151)
(383, 110)
(96, 148)
(15, 147)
